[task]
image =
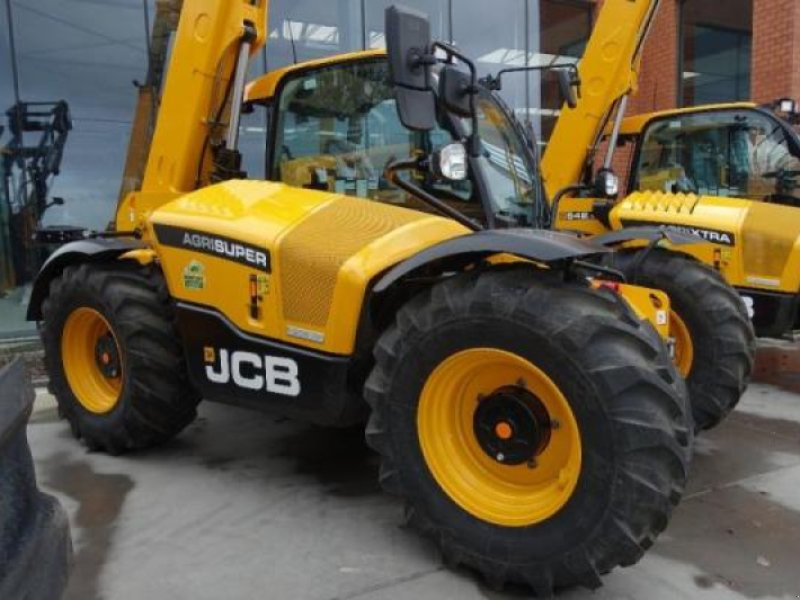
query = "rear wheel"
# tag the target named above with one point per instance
(537, 430)
(114, 357)
(714, 339)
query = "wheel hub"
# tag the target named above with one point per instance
(106, 355)
(512, 426)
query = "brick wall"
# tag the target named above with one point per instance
(775, 62)
(658, 80)
(776, 49)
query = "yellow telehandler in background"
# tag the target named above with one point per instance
(736, 169)
(715, 341)
(531, 418)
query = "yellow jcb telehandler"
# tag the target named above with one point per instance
(735, 171)
(521, 404)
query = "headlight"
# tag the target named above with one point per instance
(451, 162)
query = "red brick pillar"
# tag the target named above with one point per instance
(776, 50)
(658, 80)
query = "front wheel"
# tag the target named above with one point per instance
(714, 339)
(536, 429)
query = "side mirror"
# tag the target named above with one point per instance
(454, 91)
(450, 162)
(408, 45)
(606, 184)
(566, 86)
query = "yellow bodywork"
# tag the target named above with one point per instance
(324, 250)
(766, 254)
(203, 57)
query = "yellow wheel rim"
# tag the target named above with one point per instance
(684, 348)
(92, 360)
(503, 494)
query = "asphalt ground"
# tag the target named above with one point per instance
(244, 505)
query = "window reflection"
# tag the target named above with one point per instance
(716, 49)
(301, 30)
(374, 13)
(741, 154)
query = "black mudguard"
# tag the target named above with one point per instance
(532, 244)
(89, 250)
(647, 234)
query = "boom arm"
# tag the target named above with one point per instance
(609, 71)
(199, 91)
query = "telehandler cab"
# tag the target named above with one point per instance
(532, 420)
(714, 338)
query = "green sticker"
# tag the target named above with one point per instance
(194, 276)
(263, 285)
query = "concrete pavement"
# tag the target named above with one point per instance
(243, 505)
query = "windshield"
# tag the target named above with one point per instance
(740, 154)
(337, 129)
(506, 164)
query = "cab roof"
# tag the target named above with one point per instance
(634, 125)
(263, 88)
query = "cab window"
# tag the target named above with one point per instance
(741, 154)
(337, 129)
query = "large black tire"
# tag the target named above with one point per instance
(629, 403)
(156, 400)
(721, 332)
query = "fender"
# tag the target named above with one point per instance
(531, 244)
(647, 234)
(89, 250)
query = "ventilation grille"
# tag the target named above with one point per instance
(312, 254)
(659, 202)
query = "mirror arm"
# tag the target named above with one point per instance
(474, 147)
(412, 164)
(495, 82)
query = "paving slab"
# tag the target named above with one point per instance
(244, 505)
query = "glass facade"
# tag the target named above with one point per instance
(716, 50)
(89, 53)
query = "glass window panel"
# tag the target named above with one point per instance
(87, 53)
(716, 51)
(301, 30)
(740, 154)
(338, 129)
(375, 18)
(559, 31)
(494, 35)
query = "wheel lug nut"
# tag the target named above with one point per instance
(555, 424)
(532, 464)
(501, 457)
